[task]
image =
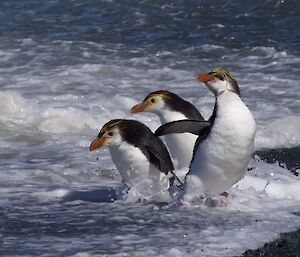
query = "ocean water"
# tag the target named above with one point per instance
(67, 67)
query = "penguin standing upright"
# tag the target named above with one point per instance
(138, 154)
(224, 146)
(170, 107)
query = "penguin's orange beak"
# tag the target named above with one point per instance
(140, 107)
(97, 143)
(205, 77)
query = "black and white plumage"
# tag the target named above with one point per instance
(170, 107)
(225, 144)
(137, 153)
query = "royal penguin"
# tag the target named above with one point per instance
(137, 153)
(171, 107)
(225, 143)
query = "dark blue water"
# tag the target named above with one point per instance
(133, 29)
(156, 25)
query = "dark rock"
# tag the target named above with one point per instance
(288, 245)
(286, 157)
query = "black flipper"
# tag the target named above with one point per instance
(183, 126)
(160, 158)
(152, 147)
(178, 182)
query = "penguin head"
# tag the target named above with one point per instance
(219, 81)
(154, 102)
(109, 135)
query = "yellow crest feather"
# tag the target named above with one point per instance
(224, 72)
(161, 93)
(109, 125)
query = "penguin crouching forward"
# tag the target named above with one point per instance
(137, 153)
(224, 147)
(170, 107)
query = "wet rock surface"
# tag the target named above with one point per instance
(288, 244)
(286, 157)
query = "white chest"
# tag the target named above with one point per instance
(180, 145)
(221, 160)
(132, 164)
(166, 116)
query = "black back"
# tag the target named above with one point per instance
(178, 104)
(205, 132)
(139, 135)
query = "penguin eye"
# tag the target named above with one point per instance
(110, 134)
(152, 100)
(220, 76)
